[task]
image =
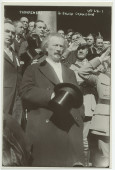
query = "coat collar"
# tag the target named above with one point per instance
(50, 74)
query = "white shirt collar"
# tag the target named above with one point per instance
(57, 68)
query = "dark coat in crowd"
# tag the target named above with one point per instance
(31, 44)
(91, 53)
(56, 140)
(11, 81)
(28, 51)
(17, 44)
(15, 150)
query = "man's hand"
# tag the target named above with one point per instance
(34, 61)
(75, 45)
(82, 40)
(106, 55)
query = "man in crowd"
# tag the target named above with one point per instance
(57, 139)
(31, 27)
(99, 44)
(12, 102)
(36, 38)
(25, 21)
(31, 48)
(69, 35)
(61, 32)
(100, 124)
(69, 55)
(76, 36)
(18, 36)
(91, 50)
(89, 96)
(106, 44)
(40, 28)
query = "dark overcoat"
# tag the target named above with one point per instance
(11, 77)
(57, 141)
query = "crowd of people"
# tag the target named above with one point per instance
(56, 98)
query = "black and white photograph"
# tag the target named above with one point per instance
(56, 84)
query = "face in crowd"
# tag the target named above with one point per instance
(19, 28)
(90, 40)
(69, 35)
(9, 34)
(40, 29)
(99, 43)
(31, 26)
(55, 48)
(76, 37)
(82, 53)
(106, 43)
(47, 32)
(24, 20)
(61, 32)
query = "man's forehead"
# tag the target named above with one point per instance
(70, 33)
(99, 40)
(61, 31)
(31, 23)
(90, 36)
(40, 24)
(76, 35)
(9, 26)
(24, 19)
(19, 24)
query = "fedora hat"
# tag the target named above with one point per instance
(67, 96)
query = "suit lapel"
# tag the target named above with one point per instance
(65, 74)
(49, 73)
(6, 57)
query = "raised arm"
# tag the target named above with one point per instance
(87, 72)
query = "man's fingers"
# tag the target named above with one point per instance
(34, 61)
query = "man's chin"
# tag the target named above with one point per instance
(81, 57)
(8, 42)
(41, 34)
(57, 59)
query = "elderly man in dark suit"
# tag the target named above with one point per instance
(12, 103)
(56, 141)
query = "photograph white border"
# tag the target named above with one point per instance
(68, 3)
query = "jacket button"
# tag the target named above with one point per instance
(47, 120)
(76, 118)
